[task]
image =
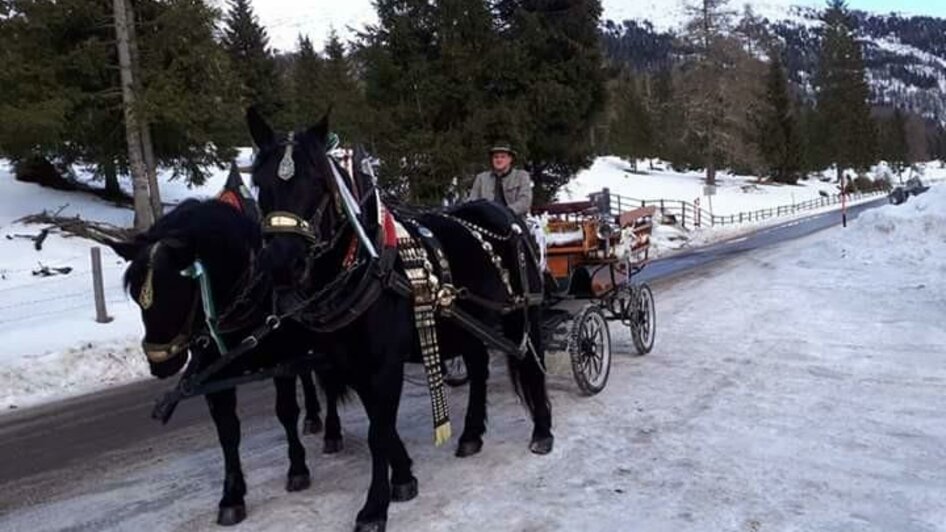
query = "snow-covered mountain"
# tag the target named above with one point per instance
(905, 55)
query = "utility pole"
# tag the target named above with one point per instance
(144, 214)
(147, 146)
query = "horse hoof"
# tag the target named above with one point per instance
(231, 515)
(298, 482)
(312, 426)
(469, 448)
(332, 446)
(373, 526)
(542, 445)
(404, 492)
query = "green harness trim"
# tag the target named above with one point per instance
(199, 273)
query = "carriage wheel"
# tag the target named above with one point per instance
(644, 322)
(589, 347)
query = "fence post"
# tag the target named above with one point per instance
(683, 214)
(98, 287)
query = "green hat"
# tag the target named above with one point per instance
(502, 147)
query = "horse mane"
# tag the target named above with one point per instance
(485, 213)
(213, 228)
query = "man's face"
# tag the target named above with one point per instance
(501, 161)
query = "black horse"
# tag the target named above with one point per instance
(226, 242)
(325, 272)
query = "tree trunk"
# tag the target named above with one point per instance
(711, 172)
(112, 188)
(151, 167)
(147, 146)
(840, 173)
(144, 216)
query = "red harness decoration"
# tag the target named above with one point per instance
(390, 231)
(350, 255)
(388, 237)
(232, 199)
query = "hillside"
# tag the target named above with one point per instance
(905, 55)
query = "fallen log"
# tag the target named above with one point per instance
(101, 232)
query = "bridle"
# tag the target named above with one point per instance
(365, 264)
(203, 297)
(318, 244)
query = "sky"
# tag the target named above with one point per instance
(285, 19)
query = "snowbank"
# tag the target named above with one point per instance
(50, 344)
(916, 229)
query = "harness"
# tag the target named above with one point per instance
(427, 292)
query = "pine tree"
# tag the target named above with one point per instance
(815, 157)
(630, 132)
(557, 63)
(719, 90)
(428, 78)
(306, 90)
(59, 88)
(780, 142)
(940, 149)
(669, 122)
(247, 44)
(341, 90)
(843, 94)
(893, 142)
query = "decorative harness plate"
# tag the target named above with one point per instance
(425, 287)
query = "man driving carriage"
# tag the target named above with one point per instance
(508, 186)
(504, 184)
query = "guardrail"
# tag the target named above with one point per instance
(687, 214)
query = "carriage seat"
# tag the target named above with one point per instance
(565, 236)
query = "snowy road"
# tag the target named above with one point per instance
(797, 388)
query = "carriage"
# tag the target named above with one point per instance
(590, 258)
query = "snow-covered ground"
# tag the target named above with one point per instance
(50, 344)
(797, 388)
(734, 194)
(51, 347)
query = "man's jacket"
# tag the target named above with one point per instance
(517, 189)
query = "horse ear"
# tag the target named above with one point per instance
(125, 249)
(320, 130)
(260, 131)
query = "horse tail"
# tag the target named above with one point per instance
(527, 372)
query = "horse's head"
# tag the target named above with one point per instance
(296, 194)
(210, 235)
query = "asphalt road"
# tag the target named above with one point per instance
(42, 447)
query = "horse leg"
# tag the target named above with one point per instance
(403, 482)
(287, 410)
(332, 442)
(381, 397)
(232, 507)
(312, 424)
(528, 376)
(476, 358)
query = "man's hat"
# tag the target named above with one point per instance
(502, 146)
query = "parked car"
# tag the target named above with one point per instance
(916, 187)
(898, 195)
(901, 193)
